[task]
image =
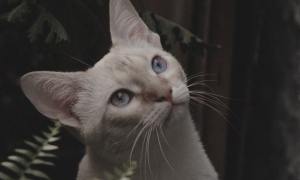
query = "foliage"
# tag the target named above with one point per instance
(24, 163)
(45, 24)
(123, 173)
(172, 34)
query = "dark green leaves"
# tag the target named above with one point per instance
(44, 26)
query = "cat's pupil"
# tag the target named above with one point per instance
(159, 65)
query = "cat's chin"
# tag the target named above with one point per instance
(177, 110)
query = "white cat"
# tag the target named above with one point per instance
(132, 105)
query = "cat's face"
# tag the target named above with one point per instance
(130, 86)
(136, 83)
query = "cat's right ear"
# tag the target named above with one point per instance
(127, 26)
(53, 94)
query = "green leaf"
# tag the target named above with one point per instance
(5, 176)
(53, 139)
(34, 32)
(37, 173)
(11, 166)
(31, 144)
(108, 175)
(56, 34)
(118, 171)
(23, 162)
(24, 178)
(39, 139)
(57, 31)
(19, 12)
(49, 147)
(42, 162)
(46, 155)
(18, 159)
(24, 152)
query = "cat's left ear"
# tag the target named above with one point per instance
(53, 94)
(127, 26)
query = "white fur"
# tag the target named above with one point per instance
(159, 135)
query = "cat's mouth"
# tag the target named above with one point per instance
(172, 111)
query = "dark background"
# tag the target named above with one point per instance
(257, 68)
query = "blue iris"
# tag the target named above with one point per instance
(159, 65)
(121, 98)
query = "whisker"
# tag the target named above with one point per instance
(210, 106)
(164, 137)
(203, 102)
(134, 129)
(135, 142)
(77, 59)
(162, 152)
(143, 158)
(148, 151)
(211, 94)
(200, 84)
(189, 78)
(212, 100)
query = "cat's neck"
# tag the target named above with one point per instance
(178, 154)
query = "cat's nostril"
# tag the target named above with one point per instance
(161, 99)
(167, 97)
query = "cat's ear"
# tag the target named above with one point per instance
(53, 94)
(127, 26)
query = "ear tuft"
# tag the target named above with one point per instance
(127, 26)
(53, 94)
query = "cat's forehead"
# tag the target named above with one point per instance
(132, 66)
(128, 59)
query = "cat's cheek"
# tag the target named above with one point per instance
(132, 112)
(179, 111)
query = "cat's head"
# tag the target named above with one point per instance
(136, 82)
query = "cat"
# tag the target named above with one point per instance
(131, 106)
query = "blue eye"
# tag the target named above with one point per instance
(121, 98)
(159, 65)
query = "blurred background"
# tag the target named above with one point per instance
(248, 52)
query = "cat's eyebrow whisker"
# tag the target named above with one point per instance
(77, 59)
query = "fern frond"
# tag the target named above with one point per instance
(123, 173)
(19, 12)
(24, 163)
(172, 33)
(57, 32)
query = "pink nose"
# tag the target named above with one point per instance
(167, 96)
